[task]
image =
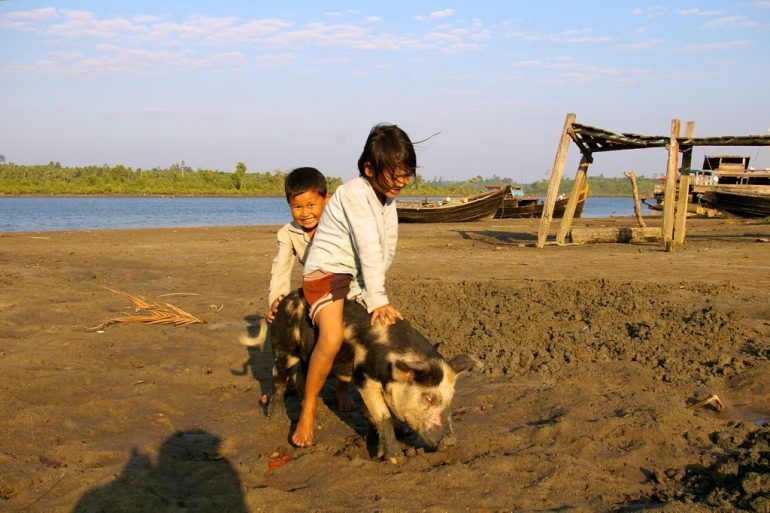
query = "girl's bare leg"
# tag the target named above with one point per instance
(330, 334)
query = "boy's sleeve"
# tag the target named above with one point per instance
(280, 274)
(365, 228)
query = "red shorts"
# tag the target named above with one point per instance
(321, 288)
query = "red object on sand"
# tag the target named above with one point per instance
(278, 461)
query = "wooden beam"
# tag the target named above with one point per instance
(684, 188)
(627, 234)
(569, 210)
(635, 190)
(553, 184)
(670, 191)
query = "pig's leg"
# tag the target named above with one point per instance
(281, 372)
(387, 446)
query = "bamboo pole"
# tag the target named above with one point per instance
(637, 206)
(553, 184)
(670, 191)
(569, 210)
(684, 188)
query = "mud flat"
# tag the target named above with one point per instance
(595, 359)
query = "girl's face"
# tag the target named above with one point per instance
(392, 183)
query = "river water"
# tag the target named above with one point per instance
(88, 212)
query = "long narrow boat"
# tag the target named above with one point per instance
(470, 208)
(515, 207)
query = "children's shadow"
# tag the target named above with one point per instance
(190, 475)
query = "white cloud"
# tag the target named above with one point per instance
(730, 21)
(708, 47)
(276, 60)
(27, 21)
(697, 12)
(445, 13)
(578, 36)
(152, 44)
(644, 45)
(85, 24)
(649, 12)
(46, 13)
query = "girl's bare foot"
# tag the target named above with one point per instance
(303, 435)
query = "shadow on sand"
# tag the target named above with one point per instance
(190, 475)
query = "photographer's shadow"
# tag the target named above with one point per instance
(190, 475)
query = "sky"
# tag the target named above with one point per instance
(278, 85)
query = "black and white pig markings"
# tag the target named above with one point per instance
(395, 369)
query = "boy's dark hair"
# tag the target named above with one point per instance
(304, 179)
(388, 148)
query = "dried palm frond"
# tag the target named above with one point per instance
(155, 313)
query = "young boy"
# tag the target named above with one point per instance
(306, 193)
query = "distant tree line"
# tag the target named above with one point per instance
(177, 179)
(180, 179)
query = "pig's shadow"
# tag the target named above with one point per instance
(259, 363)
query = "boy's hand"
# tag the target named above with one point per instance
(386, 314)
(273, 310)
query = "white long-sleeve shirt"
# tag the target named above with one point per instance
(293, 245)
(356, 235)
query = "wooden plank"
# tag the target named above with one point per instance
(569, 210)
(553, 184)
(669, 196)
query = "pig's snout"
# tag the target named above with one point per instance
(437, 436)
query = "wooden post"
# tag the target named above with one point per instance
(637, 207)
(670, 191)
(684, 188)
(553, 184)
(569, 210)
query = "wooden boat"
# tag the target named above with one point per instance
(734, 187)
(519, 206)
(470, 208)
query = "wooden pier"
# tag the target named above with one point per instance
(591, 140)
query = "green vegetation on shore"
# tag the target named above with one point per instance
(54, 179)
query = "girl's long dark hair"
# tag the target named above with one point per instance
(388, 149)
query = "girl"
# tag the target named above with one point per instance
(353, 246)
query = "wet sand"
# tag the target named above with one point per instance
(594, 359)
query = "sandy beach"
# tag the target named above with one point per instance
(597, 358)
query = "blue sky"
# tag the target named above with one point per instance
(284, 84)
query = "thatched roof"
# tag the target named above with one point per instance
(591, 140)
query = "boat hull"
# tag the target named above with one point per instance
(526, 207)
(474, 208)
(743, 203)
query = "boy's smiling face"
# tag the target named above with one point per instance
(306, 209)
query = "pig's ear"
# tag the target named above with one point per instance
(465, 362)
(405, 368)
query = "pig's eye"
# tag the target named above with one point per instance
(429, 399)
